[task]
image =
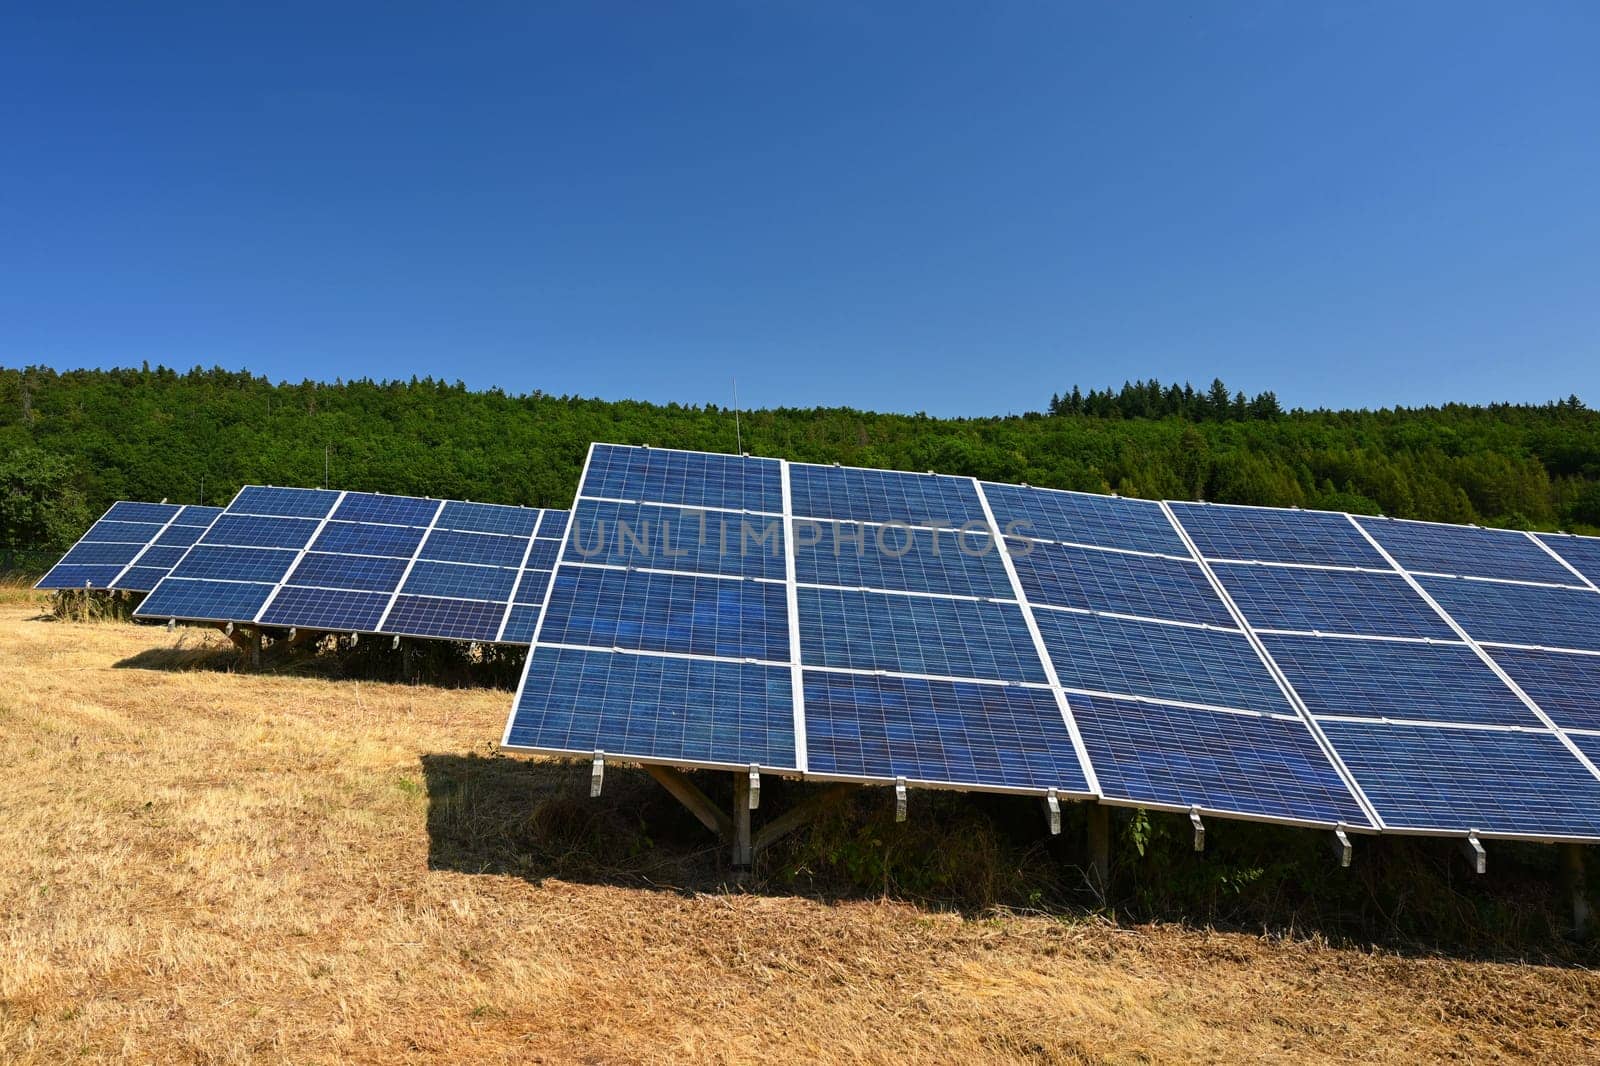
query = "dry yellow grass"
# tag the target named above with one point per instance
(200, 866)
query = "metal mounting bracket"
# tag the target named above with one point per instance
(355, 638)
(1342, 848)
(292, 632)
(395, 644)
(1199, 829)
(1472, 848)
(597, 774)
(172, 623)
(1052, 812)
(899, 799)
(755, 786)
(228, 629)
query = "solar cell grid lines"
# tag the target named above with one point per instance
(1262, 534)
(1330, 601)
(1468, 551)
(316, 559)
(1580, 553)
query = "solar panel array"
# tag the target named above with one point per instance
(1293, 666)
(131, 548)
(357, 562)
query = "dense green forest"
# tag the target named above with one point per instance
(73, 442)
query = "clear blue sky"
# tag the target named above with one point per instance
(954, 208)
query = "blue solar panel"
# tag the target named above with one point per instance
(646, 706)
(1388, 679)
(486, 549)
(1240, 763)
(129, 511)
(1183, 663)
(1222, 532)
(1002, 736)
(520, 624)
(249, 531)
(156, 557)
(287, 503)
(488, 518)
(126, 537)
(552, 525)
(1331, 601)
(1581, 552)
(225, 601)
(386, 510)
(337, 609)
(88, 552)
(459, 581)
(424, 616)
(1145, 585)
(122, 532)
(348, 538)
(77, 576)
(1433, 778)
(672, 538)
(1501, 553)
(1104, 521)
(915, 635)
(543, 555)
(235, 564)
(1520, 614)
(852, 494)
(197, 515)
(359, 572)
(851, 555)
(177, 536)
(693, 479)
(1566, 686)
(141, 578)
(639, 610)
(531, 589)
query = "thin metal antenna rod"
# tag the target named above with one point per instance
(325, 450)
(738, 434)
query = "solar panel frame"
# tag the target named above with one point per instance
(137, 530)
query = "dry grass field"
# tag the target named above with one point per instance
(199, 865)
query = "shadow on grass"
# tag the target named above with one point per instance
(979, 854)
(182, 659)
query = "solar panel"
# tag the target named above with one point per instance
(1494, 612)
(1444, 682)
(916, 641)
(1170, 757)
(1498, 782)
(1565, 685)
(131, 547)
(1468, 551)
(362, 563)
(1330, 601)
(1276, 536)
(1581, 553)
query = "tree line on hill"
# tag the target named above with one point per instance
(73, 442)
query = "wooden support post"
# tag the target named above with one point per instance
(1576, 885)
(687, 793)
(800, 814)
(1099, 849)
(257, 639)
(742, 853)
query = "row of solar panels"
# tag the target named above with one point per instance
(715, 610)
(1285, 665)
(322, 560)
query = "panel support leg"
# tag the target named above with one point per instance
(686, 792)
(1576, 885)
(1099, 849)
(742, 852)
(256, 642)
